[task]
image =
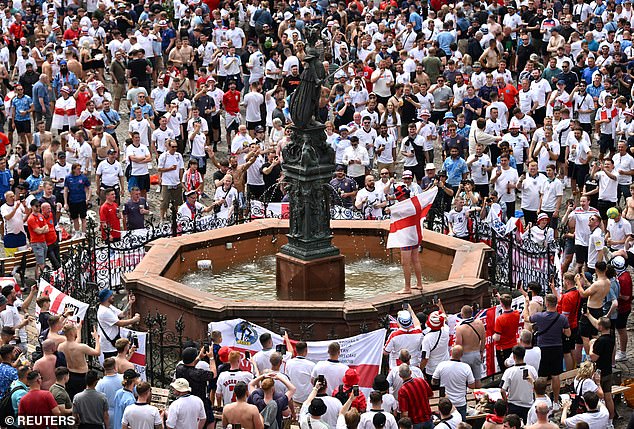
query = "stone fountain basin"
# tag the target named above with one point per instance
(459, 268)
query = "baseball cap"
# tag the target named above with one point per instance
(187, 194)
(111, 151)
(259, 129)
(189, 354)
(62, 62)
(561, 82)
(340, 168)
(425, 112)
(407, 174)
(130, 374)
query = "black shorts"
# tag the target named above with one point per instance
(77, 210)
(586, 330)
(621, 320)
(606, 143)
(571, 170)
(581, 252)
(214, 122)
(568, 343)
(233, 127)
(23, 127)
(142, 182)
(603, 207)
(551, 362)
(581, 171)
(253, 125)
(562, 155)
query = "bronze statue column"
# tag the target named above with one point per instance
(309, 266)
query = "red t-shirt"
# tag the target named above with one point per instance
(37, 403)
(413, 397)
(36, 220)
(625, 281)
(231, 101)
(506, 325)
(17, 30)
(71, 34)
(108, 216)
(51, 235)
(4, 142)
(569, 305)
(80, 101)
(507, 95)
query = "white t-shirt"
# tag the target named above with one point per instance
(143, 128)
(543, 158)
(144, 416)
(607, 186)
(109, 173)
(388, 143)
(520, 391)
(623, 163)
(507, 176)
(107, 317)
(138, 169)
(198, 145)
(550, 190)
(458, 221)
(60, 172)
(527, 99)
(396, 382)
(170, 178)
(619, 231)
(185, 412)
(85, 157)
(597, 420)
(299, 370)
(595, 245)
(366, 420)
(254, 172)
(227, 381)
(582, 229)
(262, 359)
(253, 101)
(531, 186)
(333, 372)
(409, 339)
(375, 196)
(11, 318)
(455, 376)
(159, 137)
(15, 225)
(435, 348)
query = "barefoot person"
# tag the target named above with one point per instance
(76, 352)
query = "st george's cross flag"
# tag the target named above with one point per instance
(406, 227)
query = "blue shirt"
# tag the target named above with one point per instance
(594, 91)
(445, 39)
(76, 188)
(166, 36)
(415, 18)
(587, 73)
(8, 374)
(122, 399)
(110, 118)
(70, 80)
(512, 161)
(17, 395)
(5, 182)
(146, 109)
(20, 104)
(455, 169)
(34, 184)
(613, 294)
(39, 90)
(109, 385)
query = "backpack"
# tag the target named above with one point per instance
(6, 406)
(578, 405)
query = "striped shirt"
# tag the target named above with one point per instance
(413, 398)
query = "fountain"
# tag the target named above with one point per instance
(310, 282)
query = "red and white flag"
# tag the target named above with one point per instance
(407, 216)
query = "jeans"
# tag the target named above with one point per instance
(426, 425)
(463, 411)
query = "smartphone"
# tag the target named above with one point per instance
(584, 307)
(206, 348)
(247, 354)
(423, 354)
(406, 305)
(321, 379)
(355, 390)
(525, 373)
(280, 348)
(441, 391)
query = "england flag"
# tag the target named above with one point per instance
(407, 216)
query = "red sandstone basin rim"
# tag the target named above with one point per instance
(458, 266)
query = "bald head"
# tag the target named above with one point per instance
(457, 352)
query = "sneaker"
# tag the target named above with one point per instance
(556, 407)
(621, 356)
(158, 190)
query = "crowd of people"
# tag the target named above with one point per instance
(503, 107)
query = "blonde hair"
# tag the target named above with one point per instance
(586, 369)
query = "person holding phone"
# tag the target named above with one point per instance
(517, 384)
(375, 410)
(454, 376)
(409, 336)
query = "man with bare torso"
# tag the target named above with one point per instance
(470, 334)
(49, 157)
(56, 324)
(595, 294)
(239, 412)
(46, 364)
(124, 351)
(76, 353)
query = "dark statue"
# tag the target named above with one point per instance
(309, 164)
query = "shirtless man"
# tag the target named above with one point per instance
(124, 351)
(470, 334)
(239, 412)
(44, 137)
(46, 364)
(76, 353)
(542, 411)
(49, 156)
(56, 324)
(596, 293)
(238, 172)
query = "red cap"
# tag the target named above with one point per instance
(223, 354)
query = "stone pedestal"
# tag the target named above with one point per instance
(319, 279)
